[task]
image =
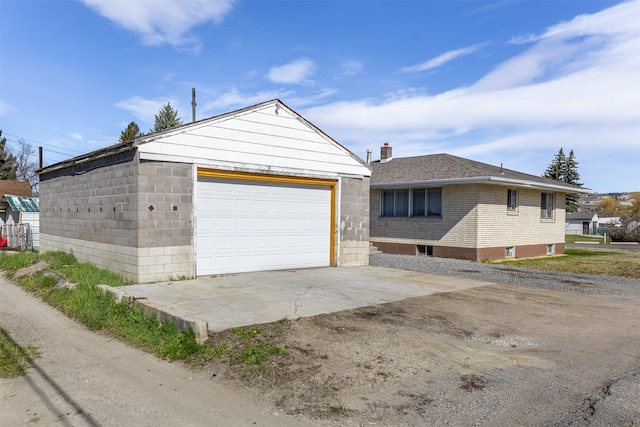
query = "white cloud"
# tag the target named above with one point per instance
(143, 109)
(619, 19)
(351, 68)
(576, 87)
(295, 72)
(165, 21)
(443, 59)
(76, 136)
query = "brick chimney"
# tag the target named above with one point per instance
(385, 153)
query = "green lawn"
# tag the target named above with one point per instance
(608, 262)
(573, 238)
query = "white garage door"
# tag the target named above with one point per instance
(250, 226)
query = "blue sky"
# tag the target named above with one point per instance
(506, 82)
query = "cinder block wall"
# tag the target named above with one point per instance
(91, 209)
(165, 220)
(354, 222)
(94, 201)
(130, 217)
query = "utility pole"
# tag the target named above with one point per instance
(193, 104)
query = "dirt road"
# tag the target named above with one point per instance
(86, 379)
(494, 355)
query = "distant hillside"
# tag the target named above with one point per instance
(589, 202)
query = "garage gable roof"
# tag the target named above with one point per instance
(443, 169)
(267, 137)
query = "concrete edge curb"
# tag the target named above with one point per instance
(199, 327)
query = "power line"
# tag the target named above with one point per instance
(73, 152)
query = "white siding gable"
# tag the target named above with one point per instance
(269, 138)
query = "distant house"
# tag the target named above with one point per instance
(259, 188)
(581, 223)
(14, 188)
(447, 206)
(19, 214)
(24, 214)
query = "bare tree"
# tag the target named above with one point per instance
(24, 156)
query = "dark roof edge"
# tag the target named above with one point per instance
(486, 179)
(94, 155)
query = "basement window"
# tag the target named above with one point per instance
(425, 250)
(510, 252)
(551, 249)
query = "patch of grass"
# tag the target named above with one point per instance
(608, 262)
(83, 273)
(14, 359)
(255, 354)
(38, 283)
(573, 238)
(97, 311)
(11, 262)
(246, 350)
(245, 334)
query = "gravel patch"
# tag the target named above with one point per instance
(504, 274)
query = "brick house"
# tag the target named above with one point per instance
(446, 206)
(259, 188)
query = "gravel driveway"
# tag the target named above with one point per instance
(508, 275)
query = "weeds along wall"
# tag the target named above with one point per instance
(129, 216)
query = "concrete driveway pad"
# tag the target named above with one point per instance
(268, 296)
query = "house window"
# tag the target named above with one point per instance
(512, 200)
(425, 202)
(395, 203)
(510, 252)
(551, 249)
(546, 206)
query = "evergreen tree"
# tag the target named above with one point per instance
(572, 177)
(565, 170)
(131, 132)
(8, 164)
(166, 118)
(557, 169)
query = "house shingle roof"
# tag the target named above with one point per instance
(580, 216)
(440, 169)
(15, 188)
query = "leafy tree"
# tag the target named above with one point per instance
(608, 207)
(635, 204)
(131, 132)
(565, 169)
(166, 118)
(25, 166)
(7, 161)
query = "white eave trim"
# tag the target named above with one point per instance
(484, 180)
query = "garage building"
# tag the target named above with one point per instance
(259, 188)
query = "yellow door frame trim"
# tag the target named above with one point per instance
(283, 179)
